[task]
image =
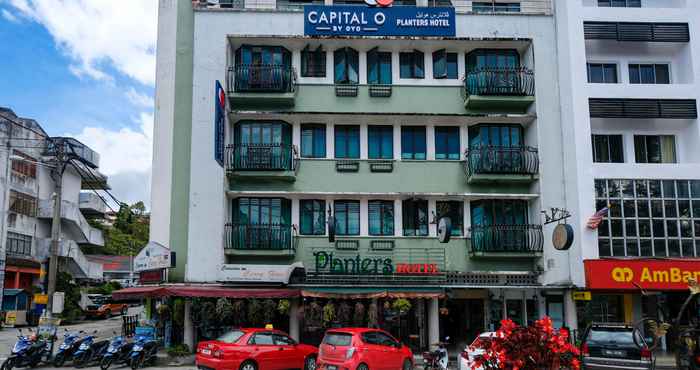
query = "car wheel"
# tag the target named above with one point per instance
(310, 363)
(249, 365)
(362, 367)
(406, 365)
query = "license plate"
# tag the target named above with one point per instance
(616, 353)
(206, 352)
(332, 367)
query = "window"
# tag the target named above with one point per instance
(620, 3)
(412, 64)
(313, 62)
(346, 62)
(499, 212)
(262, 145)
(379, 339)
(415, 217)
(444, 64)
(504, 136)
(312, 217)
(607, 149)
(347, 141)
(263, 55)
(649, 74)
(649, 218)
(263, 68)
(493, 58)
(282, 340)
(313, 141)
(347, 217)
(262, 339)
(603, 73)
(412, 142)
(24, 168)
(381, 217)
(19, 243)
(655, 148)
(454, 210)
(488, 7)
(21, 203)
(380, 142)
(378, 67)
(447, 142)
(262, 211)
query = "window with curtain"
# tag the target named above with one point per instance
(607, 149)
(378, 67)
(346, 63)
(414, 213)
(262, 211)
(499, 212)
(380, 142)
(655, 148)
(312, 217)
(263, 55)
(313, 141)
(447, 142)
(455, 211)
(620, 3)
(495, 135)
(413, 142)
(313, 62)
(381, 217)
(649, 74)
(444, 64)
(347, 141)
(412, 64)
(489, 6)
(602, 73)
(19, 244)
(347, 217)
(492, 58)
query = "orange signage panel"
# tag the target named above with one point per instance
(650, 274)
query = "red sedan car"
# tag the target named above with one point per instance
(255, 349)
(363, 349)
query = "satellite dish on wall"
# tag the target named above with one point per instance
(331, 229)
(444, 230)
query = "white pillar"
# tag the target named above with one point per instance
(570, 317)
(433, 321)
(294, 319)
(188, 336)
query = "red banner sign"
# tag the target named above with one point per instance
(151, 276)
(613, 274)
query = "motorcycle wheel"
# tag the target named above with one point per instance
(7, 364)
(105, 363)
(79, 360)
(136, 362)
(59, 360)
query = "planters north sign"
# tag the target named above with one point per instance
(322, 20)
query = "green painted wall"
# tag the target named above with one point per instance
(407, 176)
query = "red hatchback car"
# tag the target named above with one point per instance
(363, 349)
(255, 349)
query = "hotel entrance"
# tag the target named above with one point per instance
(461, 320)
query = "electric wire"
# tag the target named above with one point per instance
(93, 189)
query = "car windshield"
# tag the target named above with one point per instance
(231, 337)
(337, 339)
(603, 336)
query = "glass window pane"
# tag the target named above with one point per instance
(595, 73)
(645, 249)
(618, 247)
(452, 65)
(662, 75)
(632, 247)
(634, 73)
(660, 248)
(646, 72)
(610, 73)
(604, 247)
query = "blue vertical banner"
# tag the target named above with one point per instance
(219, 119)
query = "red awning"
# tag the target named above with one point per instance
(140, 292)
(335, 293)
(203, 291)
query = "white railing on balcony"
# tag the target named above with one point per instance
(70, 249)
(71, 212)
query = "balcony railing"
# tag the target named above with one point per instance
(269, 237)
(500, 81)
(262, 157)
(526, 239)
(262, 78)
(502, 160)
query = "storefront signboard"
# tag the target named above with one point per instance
(333, 263)
(153, 256)
(278, 274)
(582, 296)
(338, 20)
(152, 276)
(613, 274)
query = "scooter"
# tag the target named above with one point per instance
(143, 351)
(71, 343)
(89, 351)
(117, 352)
(28, 351)
(438, 359)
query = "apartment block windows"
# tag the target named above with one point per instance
(25, 167)
(313, 141)
(381, 217)
(447, 142)
(313, 62)
(380, 142)
(347, 141)
(444, 64)
(655, 148)
(649, 74)
(454, 210)
(23, 204)
(414, 213)
(412, 64)
(346, 63)
(347, 217)
(312, 217)
(620, 3)
(490, 6)
(378, 67)
(602, 73)
(607, 149)
(19, 244)
(649, 218)
(413, 142)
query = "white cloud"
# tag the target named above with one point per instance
(96, 33)
(9, 16)
(138, 99)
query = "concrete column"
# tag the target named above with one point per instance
(433, 321)
(570, 317)
(294, 319)
(188, 336)
(17, 279)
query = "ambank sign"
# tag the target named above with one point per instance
(642, 273)
(322, 20)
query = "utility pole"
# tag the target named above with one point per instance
(57, 176)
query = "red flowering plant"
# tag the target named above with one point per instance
(537, 346)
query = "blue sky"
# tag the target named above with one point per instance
(86, 72)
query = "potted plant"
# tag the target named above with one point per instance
(314, 316)
(283, 307)
(358, 317)
(255, 316)
(238, 312)
(224, 310)
(328, 314)
(373, 315)
(269, 308)
(344, 313)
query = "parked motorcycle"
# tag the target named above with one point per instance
(117, 352)
(90, 350)
(688, 353)
(143, 351)
(438, 359)
(29, 351)
(71, 343)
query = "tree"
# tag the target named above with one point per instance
(127, 235)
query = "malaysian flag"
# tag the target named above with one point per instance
(595, 220)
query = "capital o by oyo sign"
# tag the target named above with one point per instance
(613, 274)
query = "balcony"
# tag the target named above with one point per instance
(260, 240)
(506, 241)
(74, 149)
(78, 265)
(486, 164)
(262, 85)
(75, 223)
(499, 89)
(91, 204)
(262, 162)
